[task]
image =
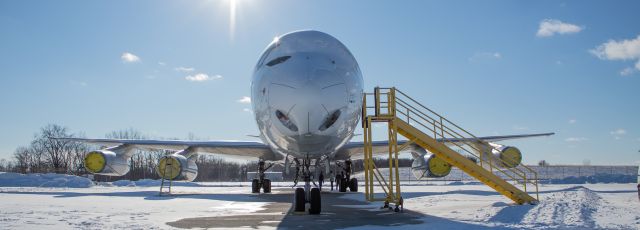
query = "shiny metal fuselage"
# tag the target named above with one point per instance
(306, 94)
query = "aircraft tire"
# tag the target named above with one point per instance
(353, 185)
(343, 186)
(255, 186)
(299, 200)
(266, 186)
(315, 201)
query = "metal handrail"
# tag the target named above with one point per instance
(515, 173)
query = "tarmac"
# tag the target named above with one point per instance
(337, 212)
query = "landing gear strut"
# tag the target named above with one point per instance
(261, 181)
(306, 194)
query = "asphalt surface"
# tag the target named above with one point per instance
(336, 213)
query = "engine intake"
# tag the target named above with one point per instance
(177, 167)
(112, 161)
(429, 166)
(510, 156)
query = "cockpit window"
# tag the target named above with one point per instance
(266, 54)
(330, 120)
(284, 119)
(278, 60)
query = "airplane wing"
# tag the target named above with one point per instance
(497, 138)
(355, 150)
(234, 148)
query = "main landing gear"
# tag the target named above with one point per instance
(307, 194)
(345, 181)
(261, 181)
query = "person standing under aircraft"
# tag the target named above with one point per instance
(338, 181)
(331, 178)
(348, 169)
(295, 179)
(342, 178)
(321, 180)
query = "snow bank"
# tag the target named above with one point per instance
(43, 180)
(573, 208)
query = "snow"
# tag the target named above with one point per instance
(101, 207)
(592, 206)
(69, 202)
(43, 180)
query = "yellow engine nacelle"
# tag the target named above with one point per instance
(428, 166)
(110, 162)
(509, 156)
(177, 167)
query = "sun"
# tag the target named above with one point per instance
(232, 18)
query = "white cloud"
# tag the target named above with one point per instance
(162, 63)
(202, 77)
(129, 57)
(620, 50)
(244, 100)
(618, 132)
(550, 27)
(572, 121)
(184, 69)
(247, 110)
(575, 139)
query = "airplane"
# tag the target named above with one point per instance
(306, 94)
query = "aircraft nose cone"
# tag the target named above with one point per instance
(308, 114)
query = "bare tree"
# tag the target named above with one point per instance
(6, 166)
(23, 159)
(58, 152)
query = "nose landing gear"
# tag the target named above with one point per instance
(307, 194)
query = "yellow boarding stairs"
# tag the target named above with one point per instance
(427, 129)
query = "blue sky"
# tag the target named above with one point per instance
(170, 68)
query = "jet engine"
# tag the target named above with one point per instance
(510, 156)
(112, 161)
(177, 167)
(428, 165)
